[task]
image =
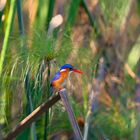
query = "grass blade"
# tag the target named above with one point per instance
(20, 17)
(7, 34)
(30, 104)
(50, 12)
(91, 18)
(47, 112)
(72, 13)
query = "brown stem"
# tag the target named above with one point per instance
(32, 117)
(71, 115)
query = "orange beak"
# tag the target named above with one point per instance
(77, 71)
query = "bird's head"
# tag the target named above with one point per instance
(70, 68)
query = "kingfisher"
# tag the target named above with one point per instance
(59, 78)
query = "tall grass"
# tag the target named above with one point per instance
(43, 53)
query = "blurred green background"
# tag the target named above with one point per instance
(99, 37)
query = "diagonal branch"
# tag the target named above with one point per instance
(32, 117)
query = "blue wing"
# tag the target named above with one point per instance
(56, 76)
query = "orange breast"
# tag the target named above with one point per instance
(59, 82)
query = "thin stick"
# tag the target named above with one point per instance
(76, 129)
(30, 103)
(47, 114)
(32, 117)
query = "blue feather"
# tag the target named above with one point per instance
(56, 76)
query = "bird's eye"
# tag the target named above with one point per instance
(70, 69)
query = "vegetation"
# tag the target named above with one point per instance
(99, 37)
